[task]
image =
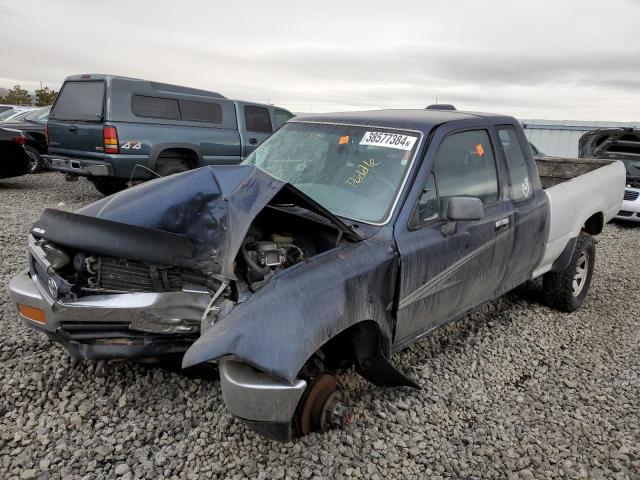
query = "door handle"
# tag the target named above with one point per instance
(502, 223)
(253, 141)
(73, 128)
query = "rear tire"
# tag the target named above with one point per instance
(171, 167)
(35, 161)
(110, 186)
(567, 289)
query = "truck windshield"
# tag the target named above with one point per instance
(352, 171)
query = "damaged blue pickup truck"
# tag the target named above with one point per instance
(340, 240)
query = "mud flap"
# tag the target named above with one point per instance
(379, 371)
(372, 363)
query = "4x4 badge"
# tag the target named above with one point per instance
(131, 144)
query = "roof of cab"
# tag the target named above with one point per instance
(162, 87)
(423, 120)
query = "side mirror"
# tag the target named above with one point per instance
(464, 209)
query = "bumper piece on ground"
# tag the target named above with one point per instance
(267, 405)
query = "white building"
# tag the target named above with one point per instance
(560, 137)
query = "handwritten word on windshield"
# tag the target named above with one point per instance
(362, 170)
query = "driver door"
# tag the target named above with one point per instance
(443, 271)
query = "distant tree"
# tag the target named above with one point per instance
(17, 96)
(45, 96)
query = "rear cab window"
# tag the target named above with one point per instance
(80, 101)
(520, 187)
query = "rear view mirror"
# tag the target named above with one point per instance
(465, 209)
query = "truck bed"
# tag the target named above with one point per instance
(554, 170)
(577, 190)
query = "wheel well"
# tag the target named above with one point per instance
(594, 224)
(181, 155)
(358, 341)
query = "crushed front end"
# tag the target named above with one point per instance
(133, 276)
(100, 307)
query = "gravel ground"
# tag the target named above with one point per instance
(513, 390)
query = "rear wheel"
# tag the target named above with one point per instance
(567, 289)
(171, 166)
(35, 161)
(109, 186)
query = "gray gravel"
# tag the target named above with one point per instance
(513, 390)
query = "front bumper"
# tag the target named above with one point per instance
(100, 326)
(266, 404)
(76, 166)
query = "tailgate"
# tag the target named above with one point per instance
(75, 122)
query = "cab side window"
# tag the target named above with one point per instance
(281, 117)
(257, 119)
(519, 182)
(465, 166)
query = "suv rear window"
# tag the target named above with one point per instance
(257, 119)
(200, 111)
(80, 101)
(155, 107)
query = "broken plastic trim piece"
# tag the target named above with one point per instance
(164, 325)
(210, 306)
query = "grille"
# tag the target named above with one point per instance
(125, 275)
(631, 195)
(624, 213)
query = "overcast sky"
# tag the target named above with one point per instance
(556, 60)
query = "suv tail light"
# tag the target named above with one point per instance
(110, 135)
(20, 139)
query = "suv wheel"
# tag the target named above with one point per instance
(35, 161)
(109, 186)
(567, 289)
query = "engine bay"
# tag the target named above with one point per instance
(280, 237)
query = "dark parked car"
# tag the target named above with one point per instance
(14, 160)
(113, 129)
(341, 239)
(32, 125)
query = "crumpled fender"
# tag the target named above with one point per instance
(278, 328)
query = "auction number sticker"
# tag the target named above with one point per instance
(390, 140)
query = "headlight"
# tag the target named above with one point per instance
(56, 257)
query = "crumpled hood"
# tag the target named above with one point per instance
(212, 206)
(205, 213)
